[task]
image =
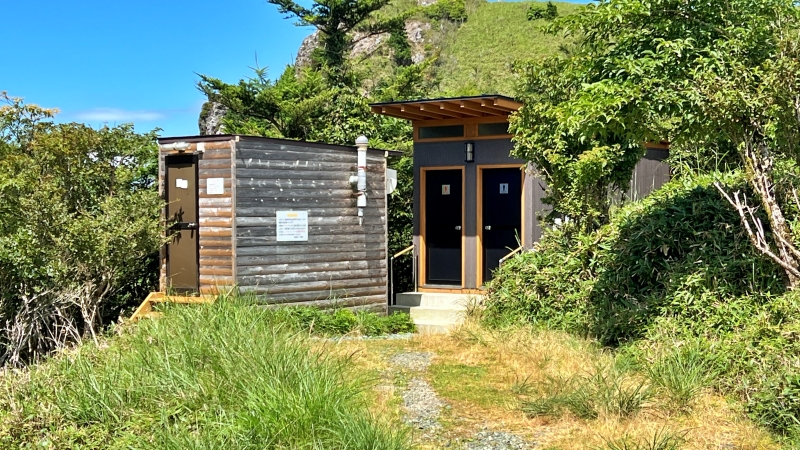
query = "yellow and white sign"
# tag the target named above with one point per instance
(291, 226)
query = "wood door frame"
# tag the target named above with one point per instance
(423, 281)
(196, 161)
(479, 212)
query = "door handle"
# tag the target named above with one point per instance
(487, 227)
(458, 227)
(184, 226)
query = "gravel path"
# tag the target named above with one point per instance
(423, 407)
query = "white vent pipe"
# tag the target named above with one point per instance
(361, 144)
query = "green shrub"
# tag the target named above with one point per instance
(222, 376)
(678, 253)
(342, 321)
(539, 11)
(452, 10)
(673, 271)
(79, 228)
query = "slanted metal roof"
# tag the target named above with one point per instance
(449, 108)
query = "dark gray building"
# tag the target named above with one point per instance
(473, 203)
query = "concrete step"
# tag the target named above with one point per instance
(434, 328)
(421, 314)
(436, 300)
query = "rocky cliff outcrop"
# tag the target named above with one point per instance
(367, 45)
(210, 121)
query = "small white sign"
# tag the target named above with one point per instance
(504, 188)
(215, 186)
(292, 226)
(445, 189)
(181, 183)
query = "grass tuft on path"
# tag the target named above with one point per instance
(215, 376)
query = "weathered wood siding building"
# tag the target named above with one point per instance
(276, 218)
(473, 202)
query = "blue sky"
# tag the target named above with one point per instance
(136, 61)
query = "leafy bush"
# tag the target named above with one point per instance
(674, 281)
(677, 253)
(220, 376)
(539, 11)
(79, 228)
(452, 10)
(342, 321)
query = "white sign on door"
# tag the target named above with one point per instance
(445, 189)
(291, 226)
(215, 186)
(181, 183)
(504, 188)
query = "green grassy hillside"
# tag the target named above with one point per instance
(477, 58)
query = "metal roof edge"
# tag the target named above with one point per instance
(241, 137)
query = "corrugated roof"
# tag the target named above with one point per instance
(449, 108)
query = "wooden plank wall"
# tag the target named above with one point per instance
(215, 216)
(343, 263)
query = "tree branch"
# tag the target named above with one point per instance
(758, 239)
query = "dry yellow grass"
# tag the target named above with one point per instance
(486, 374)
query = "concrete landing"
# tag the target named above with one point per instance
(434, 313)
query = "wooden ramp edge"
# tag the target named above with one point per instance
(145, 310)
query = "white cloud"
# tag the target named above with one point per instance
(119, 115)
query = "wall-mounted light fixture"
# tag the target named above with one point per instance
(469, 152)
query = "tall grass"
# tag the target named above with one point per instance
(608, 390)
(206, 377)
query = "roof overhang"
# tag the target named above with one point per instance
(449, 108)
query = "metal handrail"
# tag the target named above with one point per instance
(391, 271)
(403, 252)
(514, 252)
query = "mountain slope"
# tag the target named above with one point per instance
(477, 58)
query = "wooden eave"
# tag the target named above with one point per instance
(449, 108)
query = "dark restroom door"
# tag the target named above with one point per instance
(502, 215)
(443, 212)
(183, 249)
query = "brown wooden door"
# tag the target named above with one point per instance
(183, 250)
(443, 227)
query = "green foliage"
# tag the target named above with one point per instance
(675, 282)
(221, 376)
(335, 19)
(476, 57)
(451, 10)
(615, 282)
(546, 12)
(79, 228)
(398, 42)
(681, 374)
(717, 74)
(609, 390)
(342, 321)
